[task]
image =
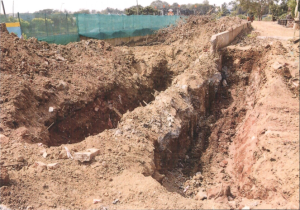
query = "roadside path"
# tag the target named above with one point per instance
(272, 29)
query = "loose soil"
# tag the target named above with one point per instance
(177, 127)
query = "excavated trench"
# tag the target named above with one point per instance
(185, 155)
(212, 129)
(80, 121)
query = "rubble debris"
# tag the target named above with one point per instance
(45, 154)
(68, 153)
(40, 166)
(115, 201)
(95, 201)
(87, 155)
(52, 166)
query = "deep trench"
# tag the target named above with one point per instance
(200, 128)
(85, 122)
(105, 111)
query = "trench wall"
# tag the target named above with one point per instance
(131, 41)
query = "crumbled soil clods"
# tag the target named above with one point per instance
(174, 129)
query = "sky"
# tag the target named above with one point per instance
(22, 6)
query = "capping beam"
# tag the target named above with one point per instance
(223, 39)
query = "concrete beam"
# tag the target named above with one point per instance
(223, 39)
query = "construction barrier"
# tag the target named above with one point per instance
(66, 28)
(14, 28)
(119, 26)
(51, 28)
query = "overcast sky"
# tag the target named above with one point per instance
(74, 5)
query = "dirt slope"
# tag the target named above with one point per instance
(176, 127)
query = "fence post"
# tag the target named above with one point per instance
(67, 23)
(76, 15)
(46, 24)
(20, 23)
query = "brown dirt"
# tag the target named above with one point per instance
(274, 29)
(172, 122)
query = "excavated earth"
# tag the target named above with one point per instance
(177, 126)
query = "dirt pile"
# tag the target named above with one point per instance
(191, 27)
(173, 126)
(89, 80)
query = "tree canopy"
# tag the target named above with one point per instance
(141, 10)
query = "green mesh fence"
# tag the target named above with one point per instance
(117, 26)
(52, 28)
(66, 28)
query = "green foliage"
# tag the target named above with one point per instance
(24, 36)
(224, 11)
(278, 10)
(47, 11)
(141, 10)
(257, 7)
(149, 11)
(133, 10)
(82, 11)
(109, 10)
(244, 17)
(292, 5)
(24, 23)
(40, 23)
(283, 16)
(233, 14)
(25, 26)
(184, 9)
(267, 18)
(236, 7)
(159, 4)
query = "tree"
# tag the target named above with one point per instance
(83, 11)
(224, 10)
(236, 7)
(40, 24)
(48, 11)
(159, 4)
(109, 10)
(142, 10)
(133, 10)
(292, 5)
(205, 2)
(149, 11)
(24, 26)
(255, 6)
(277, 9)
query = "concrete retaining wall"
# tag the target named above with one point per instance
(223, 39)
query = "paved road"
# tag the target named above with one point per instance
(273, 29)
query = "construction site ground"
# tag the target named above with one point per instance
(268, 28)
(175, 125)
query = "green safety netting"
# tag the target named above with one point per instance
(117, 26)
(66, 28)
(52, 28)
